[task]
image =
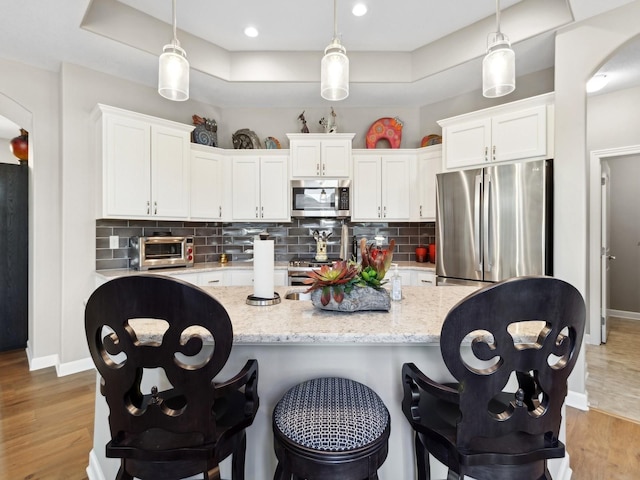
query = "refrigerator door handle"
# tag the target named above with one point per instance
(476, 222)
(486, 221)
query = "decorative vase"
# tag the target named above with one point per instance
(421, 254)
(20, 146)
(358, 299)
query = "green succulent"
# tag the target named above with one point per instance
(333, 280)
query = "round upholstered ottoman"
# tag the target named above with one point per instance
(330, 428)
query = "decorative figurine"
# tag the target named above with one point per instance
(206, 131)
(305, 129)
(330, 126)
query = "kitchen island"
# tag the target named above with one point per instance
(294, 341)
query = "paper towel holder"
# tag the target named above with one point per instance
(263, 302)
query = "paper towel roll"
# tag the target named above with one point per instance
(263, 268)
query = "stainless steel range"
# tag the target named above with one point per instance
(300, 266)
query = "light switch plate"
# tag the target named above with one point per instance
(114, 241)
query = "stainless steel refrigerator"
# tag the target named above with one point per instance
(494, 223)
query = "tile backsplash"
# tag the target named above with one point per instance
(236, 239)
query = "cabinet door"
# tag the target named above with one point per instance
(366, 188)
(305, 158)
(467, 144)
(245, 182)
(429, 165)
(207, 186)
(170, 155)
(126, 167)
(241, 278)
(274, 189)
(426, 279)
(211, 279)
(396, 179)
(336, 157)
(519, 135)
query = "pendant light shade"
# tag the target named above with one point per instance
(499, 64)
(173, 69)
(334, 69)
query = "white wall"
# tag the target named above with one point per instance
(30, 97)
(580, 49)
(277, 122)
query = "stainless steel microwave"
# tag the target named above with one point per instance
(321, 198)
(160, 252)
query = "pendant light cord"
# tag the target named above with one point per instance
(497, 16)
(335, 19)
(175, 35)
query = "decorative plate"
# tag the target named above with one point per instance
(245, 139)
(431, 140)
(271, 143)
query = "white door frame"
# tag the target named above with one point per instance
(595, 223)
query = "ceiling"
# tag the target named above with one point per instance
(408, 53)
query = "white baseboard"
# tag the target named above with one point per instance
(74, 367)
(577, 400)
(565, 472)
(94, 471)
(62, 369)
(623, 314)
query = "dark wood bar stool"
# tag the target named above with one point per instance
(330, 428)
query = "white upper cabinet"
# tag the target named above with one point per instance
(514, 131)
(320, 155)
(145, 165)
(429, 164)
(382, 184)
(210, 184)
(260, 187)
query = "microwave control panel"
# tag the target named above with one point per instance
(343, 199)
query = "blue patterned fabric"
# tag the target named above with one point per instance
(331, 414)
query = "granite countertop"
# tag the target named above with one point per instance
(417, 319)
(213, 266)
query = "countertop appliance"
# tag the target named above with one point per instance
(494, 223)
(14, 255)
(161, 251)
(300, 266)
(321, 198)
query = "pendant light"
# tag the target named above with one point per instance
(334, 70)
(499, 65)
(173, 69)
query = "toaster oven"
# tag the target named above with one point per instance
(160, 252)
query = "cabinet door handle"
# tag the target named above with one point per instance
(148, 207)
(494, 153)
(379, 215)
(385, 211)
(214, 281)
(155, 208)
(420, 210)
(262, 210)
(323, 168)
(427, 281)
(220, 211)
(257, 216)
(486, 154)
(317, 169)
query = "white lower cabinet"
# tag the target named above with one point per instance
(425, 279)
(244, 278)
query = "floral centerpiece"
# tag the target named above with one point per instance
(349, 286)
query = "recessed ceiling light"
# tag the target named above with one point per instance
(597, 82)
(251, 32)
(359, 9)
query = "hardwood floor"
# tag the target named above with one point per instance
(613, 382)
(46, 429)
(46, 422)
